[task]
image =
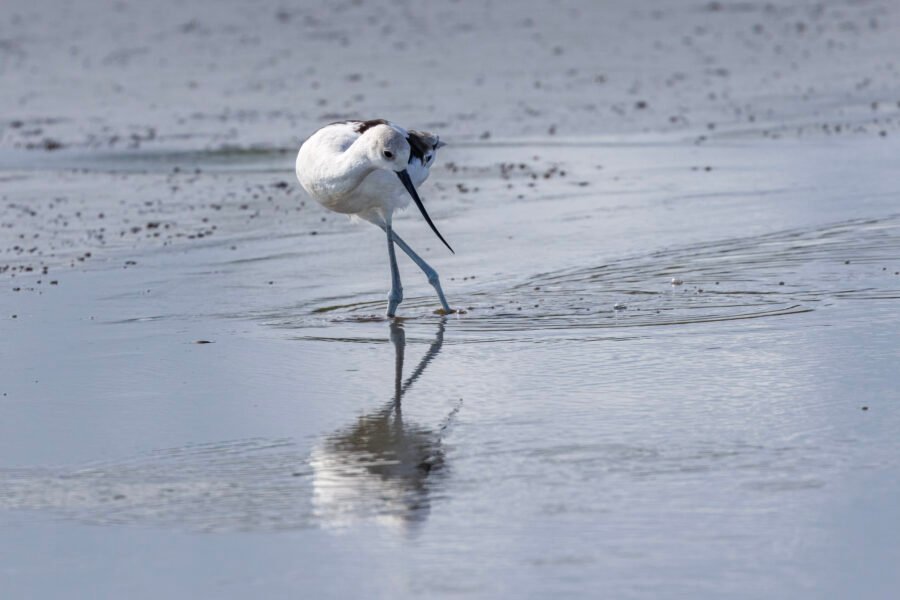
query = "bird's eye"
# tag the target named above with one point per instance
(388, 154)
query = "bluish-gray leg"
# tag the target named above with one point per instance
(430, 273)
(396, 295)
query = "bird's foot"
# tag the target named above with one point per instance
(394, 301)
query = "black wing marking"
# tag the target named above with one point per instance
(417, 148)
(421, 143)
(361, 126)
(364, 126)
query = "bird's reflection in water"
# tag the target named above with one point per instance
(381, 468)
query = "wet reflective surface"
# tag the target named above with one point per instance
(382, 466)
(587, 424)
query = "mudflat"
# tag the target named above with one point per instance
(677, 229)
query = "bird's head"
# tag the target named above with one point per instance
(388, 148)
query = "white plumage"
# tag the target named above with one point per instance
(377, 194)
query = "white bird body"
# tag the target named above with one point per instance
(370, 169)
(337, 173)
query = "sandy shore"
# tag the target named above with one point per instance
(211, 75)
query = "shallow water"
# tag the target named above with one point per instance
(586, 428)
(732, 435)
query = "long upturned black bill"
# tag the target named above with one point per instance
(408, 184)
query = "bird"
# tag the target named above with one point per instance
(368, 170)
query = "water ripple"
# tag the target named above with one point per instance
(776, 275)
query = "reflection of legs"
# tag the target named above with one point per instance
(398, 338)
(430, 273)
(396, 295)
(429, 356)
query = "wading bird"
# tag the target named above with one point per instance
(369, 169)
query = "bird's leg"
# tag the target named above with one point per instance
(430, 273)
(396, 295)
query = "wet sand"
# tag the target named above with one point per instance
(675, 375)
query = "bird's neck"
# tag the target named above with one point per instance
(347, 171)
